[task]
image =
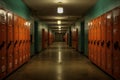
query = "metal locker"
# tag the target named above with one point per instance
(91, 51)
(92, 30)
(2, 43)
(16, 41)
(98, 41)
(103, 41)
(94, 48)
(10, 45)
(91, 54)
(76, 44)
(89, 40)
(109, 39)
(116, 43)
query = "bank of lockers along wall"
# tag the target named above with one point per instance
(14, 42)
(104, 42)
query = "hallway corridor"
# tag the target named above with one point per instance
(59, 62)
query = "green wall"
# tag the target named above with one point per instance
(18, 7)
(32, 31)
(101, 7)
(80, 26)
(38, 35)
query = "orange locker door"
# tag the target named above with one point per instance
(103, 42)
(2, 43)
(77, 39)
(116, 43)
(20, 41)
(94, 39)
(98, 42)
(97, 36)
(91, 51)
(10, 45)
(109, 42)
(90, 36)
(15, 36)
(89, 41)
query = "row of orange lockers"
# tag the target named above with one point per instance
(104, 42)
(14, 42)
(74, 38)
(47, 38)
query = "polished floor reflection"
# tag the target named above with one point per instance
(59, 62)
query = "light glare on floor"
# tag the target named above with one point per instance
(59, 57)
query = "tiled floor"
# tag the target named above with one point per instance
(59, 62)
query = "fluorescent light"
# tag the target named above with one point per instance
(60, 10)
(59, 22)
(59, 27)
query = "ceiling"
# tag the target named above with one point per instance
(46, 11)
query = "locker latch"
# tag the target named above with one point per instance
(15, 43)
(1, 45)
(9, 44)
(98, 43)
(102, 43)
(116, 45)
(108, 44)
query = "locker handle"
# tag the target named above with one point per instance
(94, 42)
(116, 45)
(2, 44)
(20, 42)
(108, 44)
(91, 42)
(15, 43)
(102, 43)
(98, 43)
(9, 44)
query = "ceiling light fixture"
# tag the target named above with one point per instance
(59, 27)
(60, 10)
(59, 22)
